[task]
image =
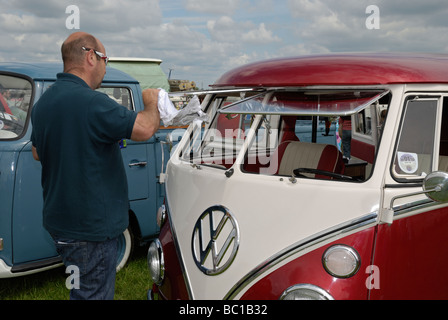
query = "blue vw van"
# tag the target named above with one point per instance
(25, 246)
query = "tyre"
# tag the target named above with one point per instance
(125, 248)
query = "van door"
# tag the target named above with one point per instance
(135, 155)
(31, 241)
(411, 252)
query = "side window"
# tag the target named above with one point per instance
(415, 148)
(15, 98)
(119, 94)
(443, 150)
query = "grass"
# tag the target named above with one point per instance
(132, 283)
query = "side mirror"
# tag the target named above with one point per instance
(435, 186)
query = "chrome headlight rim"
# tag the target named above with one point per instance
(307, 291)
(347, 249)
(156, 262)
(161, 216)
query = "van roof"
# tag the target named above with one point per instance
(340, 69)
(49, 70)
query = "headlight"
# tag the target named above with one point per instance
(341, 261)
(156, 263)
(305, 292)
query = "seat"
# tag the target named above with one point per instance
(324, 157)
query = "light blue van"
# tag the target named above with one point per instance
(25, 246)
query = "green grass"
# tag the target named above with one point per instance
(132, 283)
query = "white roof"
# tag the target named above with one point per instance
(124, 59)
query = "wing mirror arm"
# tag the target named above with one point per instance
(435, 186)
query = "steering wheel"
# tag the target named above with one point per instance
(299, 173)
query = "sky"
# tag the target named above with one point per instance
(199, 40)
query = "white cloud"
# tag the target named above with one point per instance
(259, 36)
(222, 7)
(225, 29)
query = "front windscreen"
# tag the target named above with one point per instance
(293, 133)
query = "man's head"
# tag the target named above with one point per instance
(84, 56)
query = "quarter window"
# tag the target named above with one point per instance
(415, 148)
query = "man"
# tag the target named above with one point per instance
(75, 137)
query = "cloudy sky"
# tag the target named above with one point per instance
(199, 40)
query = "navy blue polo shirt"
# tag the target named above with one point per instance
(76, 131)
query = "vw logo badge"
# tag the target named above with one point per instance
(215, 240)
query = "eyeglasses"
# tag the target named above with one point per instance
(99, 54)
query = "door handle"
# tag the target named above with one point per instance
(138, 164)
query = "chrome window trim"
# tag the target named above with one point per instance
(344, 228)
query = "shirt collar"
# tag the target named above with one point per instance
(71, 77)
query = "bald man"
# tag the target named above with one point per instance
(75, 136)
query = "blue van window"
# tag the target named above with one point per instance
(15, 97)
(120, 95)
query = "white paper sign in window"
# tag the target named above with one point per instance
(408, 162)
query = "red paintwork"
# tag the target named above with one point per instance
(340, 69)
(173, 286)
(412, 256)
(308, 269)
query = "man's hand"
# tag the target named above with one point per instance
(35, 155)
(147, 121)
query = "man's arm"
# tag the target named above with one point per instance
(147, 121)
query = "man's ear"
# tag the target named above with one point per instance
(89, 58)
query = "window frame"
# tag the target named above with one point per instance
(412, 178)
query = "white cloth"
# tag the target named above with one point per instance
(166, 108)
(173, 117)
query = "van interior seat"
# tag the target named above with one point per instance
(298, 154)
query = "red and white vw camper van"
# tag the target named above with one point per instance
(318, 177)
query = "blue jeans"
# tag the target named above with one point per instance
(96, 262)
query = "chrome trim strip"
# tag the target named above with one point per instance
(366, 221)
(414, 206)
